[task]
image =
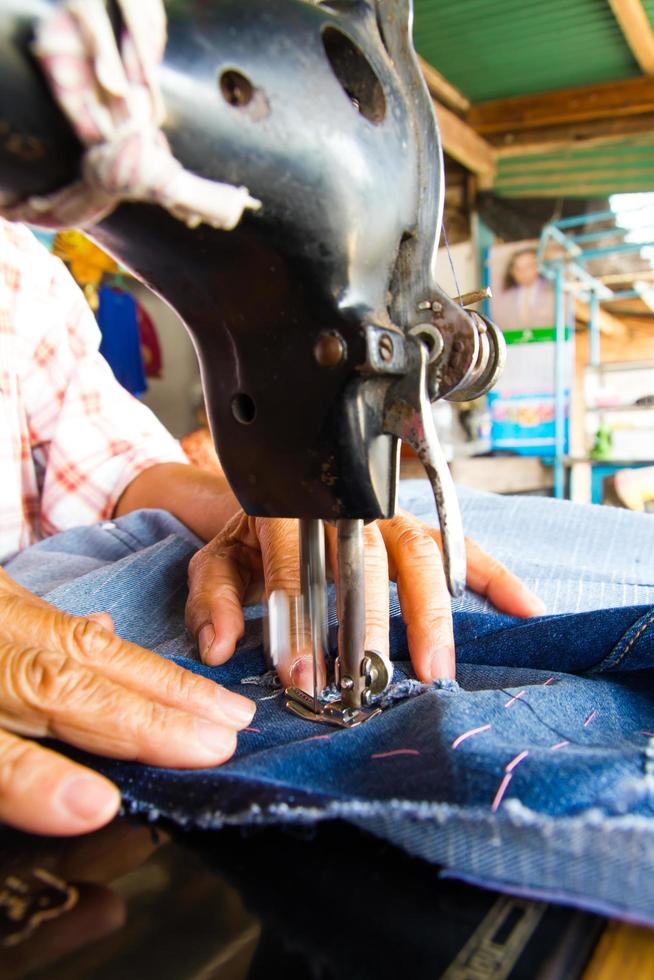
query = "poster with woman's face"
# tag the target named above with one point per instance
(522, 298)
(522, 404)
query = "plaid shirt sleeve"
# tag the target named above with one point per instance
(90, 438)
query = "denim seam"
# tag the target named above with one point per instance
(515, 814)
(615, 657)
(122, 535)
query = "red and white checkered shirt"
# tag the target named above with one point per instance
(71, 438)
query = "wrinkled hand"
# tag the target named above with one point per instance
(253, 556)
(72, 678)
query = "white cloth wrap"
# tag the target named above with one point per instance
(111, 97)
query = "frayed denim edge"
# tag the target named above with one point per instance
(589, 857)
(408, 687)
(512, 812)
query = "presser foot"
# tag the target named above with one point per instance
(343, 713)
(336, 714)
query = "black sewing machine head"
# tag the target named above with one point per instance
(307, 314)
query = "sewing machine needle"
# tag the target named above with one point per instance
(314, 586)
(351, 609)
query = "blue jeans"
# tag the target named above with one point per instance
(534, 772)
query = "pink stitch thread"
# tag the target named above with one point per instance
(387, 755)
(516, 697)
(516, 762)
(559, 745)
(550, 680)
(473, 731)
(316, 738)
(648, 734)
(590, 718)
(506, 779)
(501, 790)
(257, 731)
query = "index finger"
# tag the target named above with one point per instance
(119, 660)
(424, 597)
(492, 579)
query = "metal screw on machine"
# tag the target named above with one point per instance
(330, 349)
(386, 349)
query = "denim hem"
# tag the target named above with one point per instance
(626, 645)
(127, 532)
(489, 848)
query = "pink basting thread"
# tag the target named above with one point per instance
(550, 680)
(257, 731)
(506, 779)
(645, 732)
(473, 731)
(387, 755)
(590, 718)
(317, 738)
(501, 790)
(516, 697)
(520, 757)
(559, 745)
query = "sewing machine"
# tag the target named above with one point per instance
(322, 335)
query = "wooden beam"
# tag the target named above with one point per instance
(442, 90)
(608, 324)
(525, 112)
(634, 24)
(466, 146)
(598, 132)
(578, 177)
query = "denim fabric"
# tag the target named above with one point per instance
(568, 698)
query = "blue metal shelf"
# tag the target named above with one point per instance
(571, 278)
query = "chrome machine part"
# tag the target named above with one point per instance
(351, 610)
(409, 417)
(360, 674)
(314, 592)
(490, 361)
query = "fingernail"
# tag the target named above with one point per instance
(89, 797)
(238, 709)
(103, 619)
(217, 739)
(537, 605)
(302, 675)
(441, 664)
(205, 640)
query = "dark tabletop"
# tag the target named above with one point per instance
(132, 901)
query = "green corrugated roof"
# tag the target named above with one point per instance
(493, 49)
(596, 171)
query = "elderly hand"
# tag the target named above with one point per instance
(256, 555)
(72, 678)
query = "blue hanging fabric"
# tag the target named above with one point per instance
(118, 321)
